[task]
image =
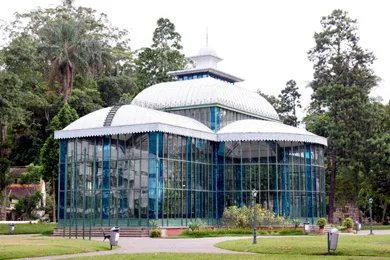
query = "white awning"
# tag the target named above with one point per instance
(261, 130)
(134, 119)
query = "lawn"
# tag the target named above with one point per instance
(378, 227)
(44, 229)
(23, 247)
(351, 246)
(192, 256)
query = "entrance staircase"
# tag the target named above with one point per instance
(315, 228)
(98, 232)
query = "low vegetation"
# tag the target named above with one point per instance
(377, 227)
(352, 246)
(26, 247)
(243, 217)
(225, 232)
(44, 229)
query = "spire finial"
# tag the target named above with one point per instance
(207, 36)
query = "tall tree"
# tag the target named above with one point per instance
(289, 102)
(70, 50)
(112, 88)
(73, 40)
(86, 96)
(11, 112)
(153, 64)
(342, 81)
(273, 100)
(50, 150)
(285, 103)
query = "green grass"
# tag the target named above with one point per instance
(192, 256)
(352, 246)
(44, 229)
(237, 232)
(23, 247)
(379, 227)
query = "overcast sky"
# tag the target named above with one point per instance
(263, 42)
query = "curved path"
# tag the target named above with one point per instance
(129, 245)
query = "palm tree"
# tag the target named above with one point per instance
(70, 49)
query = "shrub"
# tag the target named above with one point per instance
(238, 232)
(196, 224)
(348, 223)
(153, 223)
(155, 232)
(242, 217)
(296, 222)
(321, 222)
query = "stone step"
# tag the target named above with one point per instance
(327, 228)
(98, 232)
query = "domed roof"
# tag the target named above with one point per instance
(134, 119)
(205, 91)
(207, 51)
(254, 130)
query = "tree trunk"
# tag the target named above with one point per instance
(65, 82)
(3, 151)
(332, 190)
(384, 212)
(4, 154)
(3, 215)
(54, 200)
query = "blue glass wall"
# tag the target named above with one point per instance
(62, 179)
(215, 118)
(106, 177)
(127, 180)
(153, 178)
(309, 184)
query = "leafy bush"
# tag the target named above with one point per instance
(155, 232)
(153, 223)
(321, 222)
(242, 217)
(348, 223)
(196, 224)
(238, 232)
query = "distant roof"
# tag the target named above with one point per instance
(210, 70)
(255, 130)
(22, 191)
(205, 91)
(134, 119)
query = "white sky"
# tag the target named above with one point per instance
(263, 42)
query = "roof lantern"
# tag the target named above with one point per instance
(205, 66)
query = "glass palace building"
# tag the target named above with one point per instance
(187, 149)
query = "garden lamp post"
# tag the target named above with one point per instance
(254, 194)
(370, 202)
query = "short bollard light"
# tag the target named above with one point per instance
(11, 228)
(370, 203)
(254, 194)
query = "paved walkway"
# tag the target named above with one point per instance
(129, 245)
